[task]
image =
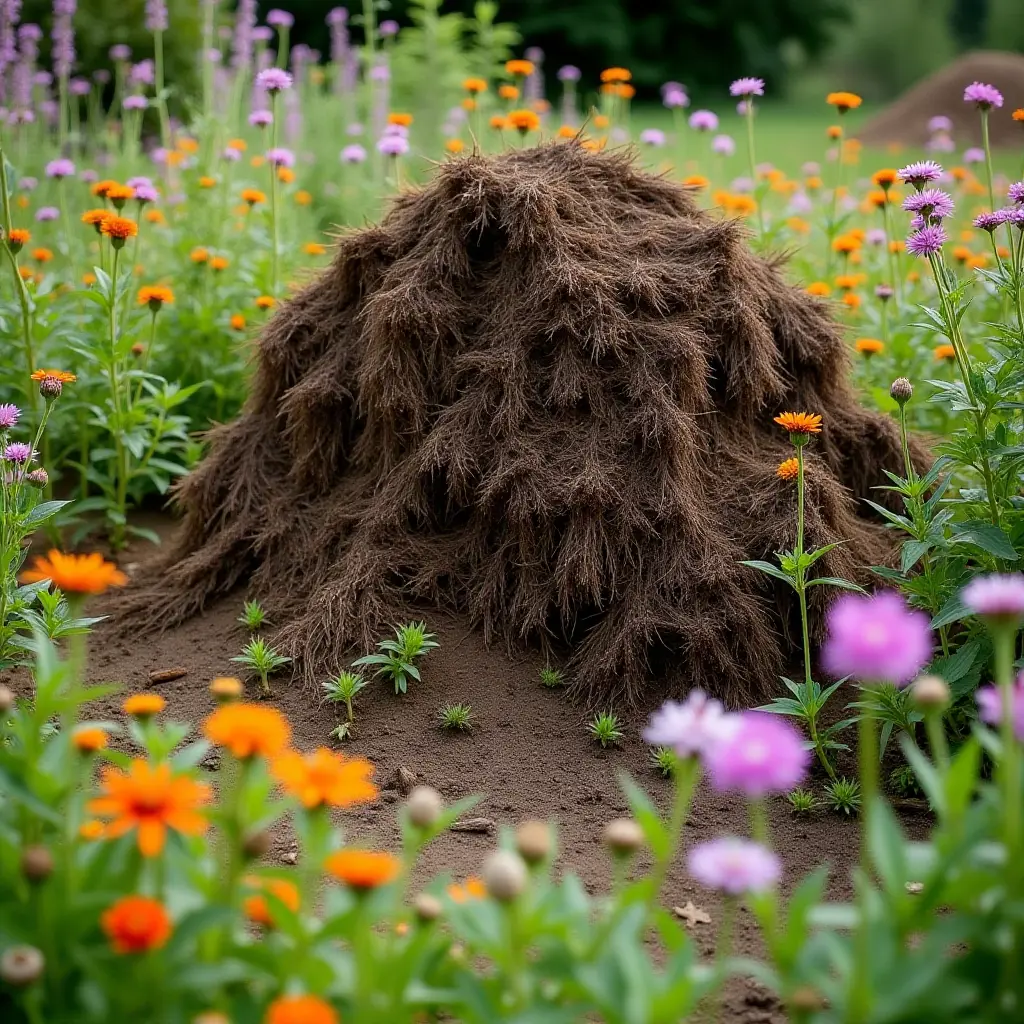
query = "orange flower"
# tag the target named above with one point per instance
(187, 145)
(226, 688)
(303, 198)
(601, 121)
(624, 91)
(843, 101)
(474, 85)
(207, 181)
(155, 217)
(151, 800)
(363, 869)
(28, 274)
(616, 75)
(136, 924)
(508, 92)
(62, 375)
(237, 322)
(944, 352)
(851, 300)
(846, 243)
(742, 205)
(239, 144)
(265, 301)
(403, 119)
(524, 121)
(313, 249)
(799, 422)
(468, 103)
(325, 777)
(248, 730)
(897, 245)
(91, 829)
(256, 907)
(454, 145)
(788, 470)
(847, 282)
(695, 181)
(869, 346)
(818, 288)
(253, 196)
(977, 260)
(199, 254)
(834, 131)
(257, 161)
(74, 574)
(119, 229)
(120, 194)
(961, 253)
(101, 188)
(88, 278)
(885, 177)
(42, 255)
(498, 123)
(96, 218)
(813, 182)
(472, 889)
(17, 237)
(89, 739)
(1018, 114)
(566, 131)
(519, 67)
(219, 263)
(285, 174)
(143, 705)
(300, 1010)
(155, 296)
(1002, 252)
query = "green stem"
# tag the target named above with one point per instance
(120, 455)
(895, 281)
(1005, 638)
(158, 75)
(686, 774)
(273, 200)
(753, 164)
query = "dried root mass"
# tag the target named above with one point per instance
(539, 393)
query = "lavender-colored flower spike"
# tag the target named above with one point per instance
(63, 36)
(241, 44)
(156, 16)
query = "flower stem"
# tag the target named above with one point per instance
(753, 164)
(1005, 641)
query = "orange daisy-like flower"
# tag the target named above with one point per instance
(788, 470)
(695, 181)
(155, 296)
(75, 574)
(799, 225)
(150, 799)
(219, 263)
(834, 131)
(325, 777)
(248, 730)
(226, 688)
(616, 75)
(885, 177)
(1018, 114)
(403, 119)
(624, 91)
(17, 237)
(302, 197)
(155, 217)
(742, 205)
(799, 422)
(253, 196)
(96, 218)
(300, 1010)
(199, 254)
(468, 103)
(239, 144)
(819, 288)
(363, 869)
(498, 123)
(119, 229)
(472, 889)
(944, 352)
(524, 121)
(89, 739)
(120, 194)
(237, 322)
(285, 174)
(143, 705)
(207, 181)
(42, 255)
(187, 145)
(91, 830)
(256, 907)
(101, 188)
(265, 301)
(846, 243)
(566, 131)
(508, 92)
(474, 85)
(313, 249)
(847, 282)
(851, 300)
(869, 346)
(62, 375)
(454, 145)
(519, 67)
(843, 101)
(136, 924)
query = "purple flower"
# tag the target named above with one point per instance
(884, 292)
(801, 203)
(940, 144)
(354, 129)
(60, 168)
(1013, 215)
(652, 137)
(747, 87)
(18, 452)
(810, 167)
(723, 145)
(135, 102)
(745, 106)
(1015, 193)
(928, 241)
(974, 155)
(274, 80)
(875, 236)
(280, 19)
(231, 154)
(939, 123)
(139, 179)
(983, 96)
(120, 52)
(393, 145)
(261, 118)
(380, 73)
(156, 16)
(80, 86)
(760, 754)
(353, 154)
(996, 596)
(931, 203)
(89, 176)
(734, 866)
(28, 183)
(877, 639)
(690, 727)
(262, 34)
(46, 213)
(920, 173)
(101, 76)
(143, 73)
(280, 157)
(8, 415)
(241, 42)
(675, 99)
(743, 184)
(396, 129)
(337, 16)
(388, 28)
(704, 121)
(569, 73)
(990, 705)
(42, 78)
(146, 194)
(989, 221)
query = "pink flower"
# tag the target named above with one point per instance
(690, 727)
(999, 597)
(990, 705)
(761, 754)
(876, 639)
(983, 96)
(734, 866)
(747, 87)
(274, 80)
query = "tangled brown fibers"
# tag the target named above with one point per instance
(541, 393)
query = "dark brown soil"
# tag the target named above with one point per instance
(905, 121)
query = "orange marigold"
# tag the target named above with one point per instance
(303, 198)
(498, 123)
(226, 688)
(89, 738)
(474, 85)
(847, 282)
(62, 375)
(616, 75)
(256, 907)
(524, 121)
(119, 229)
(454, 145)
(313, 249)
(253, 196)
(144, 704)
(239, 144)
(944, 352)
(472, 889)
(885, 177)
(325, 777)
(566, 131)
(101, 188)
(248, 730)
(187, 145)
(869, 346)
(237, 322)
(96, 218)
(219, 263)
(601, 121)
(403, 119)
(508, 92)
(799, 422)
(17, 237)
(207, 181)
(199, 254)
(788, 470)
(75, 574)
(961, 253)
(285, 174)
(42, 254)
(519, 67)
(695, 181)
(799, 225)
(155, 217)
(834, 131)
(468, 103)
(843, 101)
(136, 924)
(819, 288)
(265, 301)
(1018, 114)
(846, 243)
(897, 245)
(155, 296)
(851, 300)
(150, 799)
(120, 194)
(363, 869)
(300, 1010)
(624, 91)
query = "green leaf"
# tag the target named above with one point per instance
(835, 581)
(770, 570)
(952, 611)
(646, 816)
(987, 536)
(886, 843)
(43, 511)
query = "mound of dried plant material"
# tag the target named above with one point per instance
(539, 393)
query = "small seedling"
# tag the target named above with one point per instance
(604, 727)
(843, 796)
(551, 678)
(342, 690)
(802, 801)
(903, 781)
(397, 657)
(456, 717)
(253, 616)
(258, 656)
(663, 761)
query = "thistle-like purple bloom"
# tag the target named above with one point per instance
(920, 173)
(139, 179)
(380, 73)
(120, 52)
(8, 415)
(1015, 193)
(1015, 216)
(675, 99)
(875, 236)
(761, 754)
(88, 176)
(337, 16)
(280, 157)
(931, 203)
(569, 73)
(135, 102)
(393, 145)
(652, 137)
(928, 241)
(974, 155)
(353, 154)
(18, 453)
(388, 28)
(280, 19)
(691, 727)
(47, 213)
(877, 639)
(996, 596)
(990, 705)
(80, 86)
(747, 87)
(734, 866)
(274, 80)
(396, 129)
(60, 168)
(261, 118)
(939, 123)
(156, 16)
(704, 121)
(983, 96)
(143, 73)
(145, 193)
(723, 145)
(884, 292)
(231, 154)
(989, 221)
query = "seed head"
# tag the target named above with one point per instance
(36, 863)
(425, 806)
(21, 965)
(623, 836)
(38, 478)
(427, 907)
(50, 388)
(930, 692)
(533, 841)
(901, 390)
(504, 874)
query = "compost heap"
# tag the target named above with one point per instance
(540, 393)
(905, 121)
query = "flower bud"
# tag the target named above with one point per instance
(623, 836)
(6, 700)
(533, 841)
(36, 863)
(504, 874)
(50, 388)
(225, 688)
(38, 478)
(930, 692)
(427, 907)
(256, 844)
(901, 390)
(21, 965)
(425, 806)
(138, 348)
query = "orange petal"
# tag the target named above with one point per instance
(151, 838)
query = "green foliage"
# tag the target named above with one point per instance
(903, 781)
(605, 728)
(259, 657)
(843, 796)
(397, 660)
(253, 616)
(343, 689)
(802, 801)
(664, 761)
(552, 678)
(456, 717)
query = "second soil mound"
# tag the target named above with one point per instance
(541, 393)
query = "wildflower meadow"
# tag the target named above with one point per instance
(482, 544)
